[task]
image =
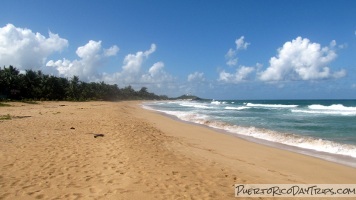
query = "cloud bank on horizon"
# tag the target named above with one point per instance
(25, 49)
(297, 60)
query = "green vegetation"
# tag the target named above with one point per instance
(4, 104)
(29, 101)
(188, 97)
(5, 117)
(33, 86)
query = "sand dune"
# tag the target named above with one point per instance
(48, 151)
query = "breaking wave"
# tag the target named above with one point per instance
(305, 142)
(335, 109)
(270, 105)
(236, 108)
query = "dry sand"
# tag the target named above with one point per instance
(48, 151)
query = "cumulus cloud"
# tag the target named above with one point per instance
(156, 69)
(91, 57)
(90, 50)
(28, 50)
(132, 72)
(241, 44)
(241, 74)
(25, 49)
(300, 59)
(196, 76)
(231, 59)
(156, 75)
(230, 56)
(112, 51)
(133, 62)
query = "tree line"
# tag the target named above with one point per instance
(34, 85)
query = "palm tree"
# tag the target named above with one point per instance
(31, 84)
(10, 82)
(73, 89)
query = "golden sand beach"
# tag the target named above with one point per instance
(50, 150)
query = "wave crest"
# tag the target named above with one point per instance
(335, 109)
(271, 105)
(236, 108)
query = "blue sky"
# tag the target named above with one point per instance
(214, 49)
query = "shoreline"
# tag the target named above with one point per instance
(49, 151)
(294, 161)
(335, 158)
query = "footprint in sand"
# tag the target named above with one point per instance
(94, 190)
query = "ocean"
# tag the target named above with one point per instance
(320, 128)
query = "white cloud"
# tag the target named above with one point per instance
(196, 76)
(112, 51)
(225, 76)
(156, 76)
(300, 59)
(230, 56)
(241, 74)
(25, 49)
(133, 63)
(132, 72)
(339, 74)
(333, 43)
(241, 44)
(90, 50)
(231, 62)
(156, 69)
(91, 57)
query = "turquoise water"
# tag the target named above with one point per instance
(320, 125)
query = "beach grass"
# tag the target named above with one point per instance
(4, 104)
(29, 102)
(5, 117)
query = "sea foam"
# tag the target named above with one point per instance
(210, 113)
(335, 109)
(236, 108)
(270, 105)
